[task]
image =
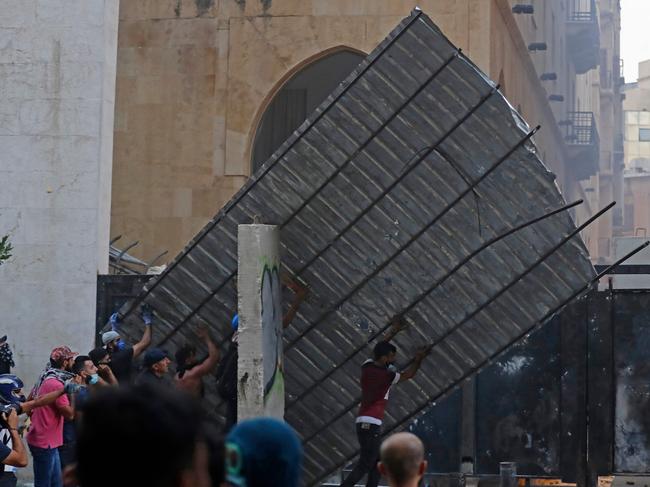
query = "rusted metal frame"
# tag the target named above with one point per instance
(435, 285)
(502, 159)
(329, 179)
(266, 168)
(496, 354)
(445, 210)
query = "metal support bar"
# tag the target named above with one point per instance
(331, 177)
(415, 15)
(435, 285)
(125, 250)
(496, 354)
(627, 269)
(471, 315)
(464, 193)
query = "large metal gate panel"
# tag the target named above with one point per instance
(386, 196)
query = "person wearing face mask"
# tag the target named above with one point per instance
(85, 375)
(378, 375)
(102, 361)
(122, 355)
(45, 434)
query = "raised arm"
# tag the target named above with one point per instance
(420, 355)
(209, 363)
(106, 375)
(145, 341)
(397, 324)
(300, 293)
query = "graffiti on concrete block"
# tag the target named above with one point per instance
(272, 336)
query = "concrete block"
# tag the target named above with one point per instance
(9, 123)
(17, 13)
(261, 366)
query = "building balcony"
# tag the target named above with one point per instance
(583, 144)
(583, 35)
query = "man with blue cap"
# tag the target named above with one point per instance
(155, 366)
(263, 452)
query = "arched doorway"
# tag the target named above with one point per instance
(297, 99)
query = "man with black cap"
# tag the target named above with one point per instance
(155, 366)
(121, 354)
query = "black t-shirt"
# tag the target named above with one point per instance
(122, 364)
(227, 373)
(4, 450)
(148, 377)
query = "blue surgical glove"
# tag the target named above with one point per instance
(114, 321)
(71, 387)
(147, 314)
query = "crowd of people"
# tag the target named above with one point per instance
(98, 420)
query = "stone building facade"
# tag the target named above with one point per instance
(206, 89)
(637, 154)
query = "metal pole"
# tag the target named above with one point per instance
(435, 285)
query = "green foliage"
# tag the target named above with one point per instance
(5, 249)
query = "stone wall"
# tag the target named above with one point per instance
(57, 88)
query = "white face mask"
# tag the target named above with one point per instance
(93, 379)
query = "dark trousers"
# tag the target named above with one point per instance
(369, 436)
(8, 479)
(231, 414)
(67, 454)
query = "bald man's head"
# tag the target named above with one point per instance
(402, 459)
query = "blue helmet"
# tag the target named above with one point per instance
(11, 389)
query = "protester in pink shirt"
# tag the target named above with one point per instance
(45, 435)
